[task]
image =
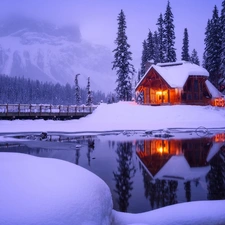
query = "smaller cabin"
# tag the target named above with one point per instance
(178, 83)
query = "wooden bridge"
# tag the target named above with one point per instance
(44, 111)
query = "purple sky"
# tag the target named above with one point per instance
(98, 18)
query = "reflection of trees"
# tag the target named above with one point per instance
(77, 155)
(160, 192)
(91, 147)
(125, 171)
(216, 176)
(187, 188)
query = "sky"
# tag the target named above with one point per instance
(98, 19)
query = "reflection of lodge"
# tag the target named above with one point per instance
(177, 158)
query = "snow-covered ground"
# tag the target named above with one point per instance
(127, 116)
(41, 191)
(53, 192)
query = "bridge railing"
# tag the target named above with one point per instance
(45, 108)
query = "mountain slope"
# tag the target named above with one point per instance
(43, 51)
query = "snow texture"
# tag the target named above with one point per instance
(42, 191)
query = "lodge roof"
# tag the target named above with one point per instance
(176, 73)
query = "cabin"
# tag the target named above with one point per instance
(178, 83)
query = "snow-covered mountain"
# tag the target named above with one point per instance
(44, 51)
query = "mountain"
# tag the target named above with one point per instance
(44, 51)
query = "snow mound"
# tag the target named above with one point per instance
(50, 192)
(191, 213)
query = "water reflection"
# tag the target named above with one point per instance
(124, 174)
(142, 174)
(216, 176)
(166, 161)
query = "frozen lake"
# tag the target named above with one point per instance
(144, 172)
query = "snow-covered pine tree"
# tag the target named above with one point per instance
(185, 48)
(214, 48)
(222, 22)
(89, 93)
(156, 56)
(139, 76)
(207, 46)
(144, 59)
(194, 57)
(160, 24)
(122, 63)
(150, 46)
(77, 90)
(169, 35)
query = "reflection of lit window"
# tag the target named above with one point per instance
(219, 137)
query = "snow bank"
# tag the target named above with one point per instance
(42, 191)
(192, 213)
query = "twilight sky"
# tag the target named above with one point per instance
(98, 18)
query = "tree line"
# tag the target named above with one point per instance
(15, 90)
(158, 47)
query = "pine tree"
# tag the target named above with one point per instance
(185, 48)
(139, 76)
(206, 63)
(125, 70)
(77, 91)
(160, 24)
(144, 59)
(212, 52)
(194, 57)
(156, 55)
(169, 35)
(150, 46)
(89, 94)
(222, 22)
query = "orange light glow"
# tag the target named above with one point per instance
(220, 102)
(219, 137)
(159, 92)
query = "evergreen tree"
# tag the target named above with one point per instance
(206, 63)
(185, 48)
(77, 91)
(212, 53)
(169, 35)
(215, 50)
(160, 24)
(156, 56)
(144, 59)
(139, 76)
(194, 57)
(222, 22)
(150, 46)
(125, 70)
(89, 94)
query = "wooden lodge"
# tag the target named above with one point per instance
(178, 83)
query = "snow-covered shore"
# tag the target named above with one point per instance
(127, 116)
(52, 192)
(42, 191)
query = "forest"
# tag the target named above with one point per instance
(15, 90)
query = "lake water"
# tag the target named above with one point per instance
(143, 173)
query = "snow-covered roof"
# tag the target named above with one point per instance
(178, 167)
(176, 73)
(213, 90)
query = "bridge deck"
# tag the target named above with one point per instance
(33, 111)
